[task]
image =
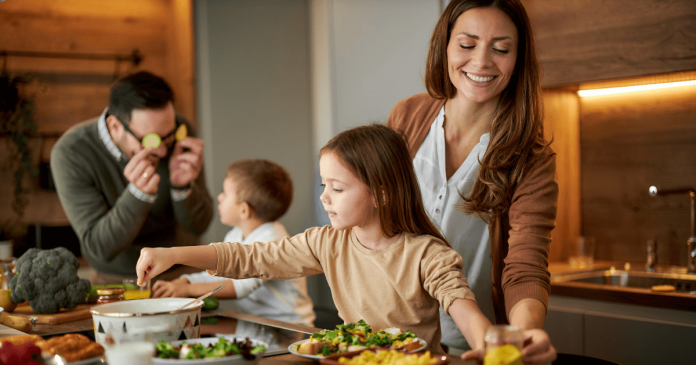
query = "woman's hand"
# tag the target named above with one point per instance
(476, 355)
(178, 288)
(539, 350)
(153, 261)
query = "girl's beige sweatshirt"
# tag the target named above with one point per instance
(399, 286)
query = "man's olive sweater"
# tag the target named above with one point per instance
(112, 224)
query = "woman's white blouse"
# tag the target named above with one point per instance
(466, 233)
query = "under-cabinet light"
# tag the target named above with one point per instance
(630, 89)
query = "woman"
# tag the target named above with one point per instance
(485, 171)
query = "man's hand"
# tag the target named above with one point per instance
(186, 162)
(169, 289)
(141, 172)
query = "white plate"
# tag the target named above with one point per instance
(227, 360)
(56, 359)
(292, 348)
(94, 360)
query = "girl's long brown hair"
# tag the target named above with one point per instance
(517, 132)
(379, 157)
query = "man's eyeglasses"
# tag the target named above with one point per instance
(153, 140)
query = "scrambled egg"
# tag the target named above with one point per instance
(404, 342)
(388, 358)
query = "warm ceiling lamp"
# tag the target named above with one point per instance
(630, 89)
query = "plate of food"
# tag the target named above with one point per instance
(224, 350)
(353, 337)
(385, 357)
(73, 348)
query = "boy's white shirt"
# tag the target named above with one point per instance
(285, 300)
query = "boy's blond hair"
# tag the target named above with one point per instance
(264, 185)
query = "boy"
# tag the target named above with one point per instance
(256, 193)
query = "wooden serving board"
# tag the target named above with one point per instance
(65, 315)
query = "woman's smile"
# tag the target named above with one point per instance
(479, 79)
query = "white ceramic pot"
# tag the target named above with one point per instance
(159, 316)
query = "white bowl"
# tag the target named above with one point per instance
(227, 360)
(158, 316)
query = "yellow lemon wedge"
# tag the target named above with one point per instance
(181, 133)
(151, 140)
(503, 355)
(6, 300)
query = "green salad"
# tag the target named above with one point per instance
(222, 348)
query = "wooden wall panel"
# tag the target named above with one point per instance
(182, 59)
(630, 142)
(67, 92)
(587, 40)
(562, 125)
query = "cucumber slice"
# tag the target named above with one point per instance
(151, 140)
(181, 133)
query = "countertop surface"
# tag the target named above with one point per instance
(87, 324)
(617, 294)
(7, 331)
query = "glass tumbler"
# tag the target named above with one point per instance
(134, 291)
(503, 345)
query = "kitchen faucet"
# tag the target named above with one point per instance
(691, 242)
(652, 256)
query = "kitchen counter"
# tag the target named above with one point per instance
(617, 294)
(87, 324)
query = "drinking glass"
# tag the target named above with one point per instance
(503, 345)
(582, 252)
(135, 291)
(129, 348)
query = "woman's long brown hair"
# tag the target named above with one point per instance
(517, 132)
(379, 157)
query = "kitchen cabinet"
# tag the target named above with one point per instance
(624, 333)
(589, 40)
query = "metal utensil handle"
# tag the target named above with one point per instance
(202, 297)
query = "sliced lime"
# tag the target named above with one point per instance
(181, 133)
(151, 140)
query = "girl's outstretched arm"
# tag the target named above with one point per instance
(471, 322)
(155, 260)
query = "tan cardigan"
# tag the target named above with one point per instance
(520, 239)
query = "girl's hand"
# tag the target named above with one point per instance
(152, 262)
(539, 350)
(177, 288)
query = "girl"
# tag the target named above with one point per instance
(383, 258)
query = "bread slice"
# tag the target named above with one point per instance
(312, 348)
(408, 347)
(22, 339)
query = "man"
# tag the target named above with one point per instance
(121, 196)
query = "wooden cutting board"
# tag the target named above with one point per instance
(65, 315)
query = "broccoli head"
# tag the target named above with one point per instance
(48, 280)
